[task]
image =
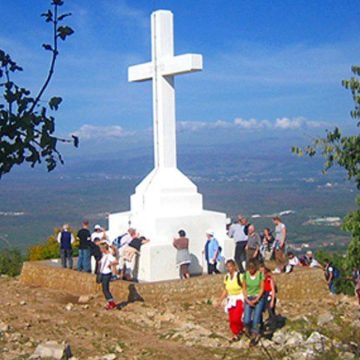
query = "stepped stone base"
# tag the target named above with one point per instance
(294, 285)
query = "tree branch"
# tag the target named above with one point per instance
(53, 61)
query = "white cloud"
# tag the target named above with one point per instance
(283, 123)
(252, 123)
(286, 123)
(92, 132)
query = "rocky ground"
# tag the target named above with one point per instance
(317, 324)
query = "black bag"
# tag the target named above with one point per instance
(98, 278)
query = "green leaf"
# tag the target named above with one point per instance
(47, 47)
(55, 102)
(76, 141)
(48, 16)
(64, 32)
(63, 16)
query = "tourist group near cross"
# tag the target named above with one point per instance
(249, 287)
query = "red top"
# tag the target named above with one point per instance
(267, 283)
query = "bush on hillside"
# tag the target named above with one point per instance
(11, 262)
(50, 249)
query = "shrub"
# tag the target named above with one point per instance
(11, 262)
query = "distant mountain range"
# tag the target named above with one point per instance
(249, 172)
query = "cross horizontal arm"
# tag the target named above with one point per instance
(140, 72)
(182, 64)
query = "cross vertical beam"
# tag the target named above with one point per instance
(163, 90)
(161, 70)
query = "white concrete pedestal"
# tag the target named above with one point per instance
(165, 202)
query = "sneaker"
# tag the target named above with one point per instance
(277, 271)
(247, 332)
(235, 338)
(110, 305)
(254, 340)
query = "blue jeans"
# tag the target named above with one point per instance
(66, 258)
(253, 315)
(84, 263)
(332, 287)
(105, 284)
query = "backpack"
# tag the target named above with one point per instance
(117, 241)
(337, 273)
(238, 275)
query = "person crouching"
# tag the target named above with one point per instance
(233, 293)
(107, 262)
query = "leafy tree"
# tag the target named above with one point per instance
(352, 224)
(11, 262)
(26, 128)
(344, 150)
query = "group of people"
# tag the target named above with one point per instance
(249, 288)
(248, 295)
(109, 260)
(249, 244)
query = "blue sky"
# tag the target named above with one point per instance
(268, 65)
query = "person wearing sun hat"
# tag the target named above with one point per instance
(212, 252)
(65, 239)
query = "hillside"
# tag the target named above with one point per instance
(176, 321)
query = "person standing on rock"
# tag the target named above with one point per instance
(212, 253)
(183, 259)
(253, 286)
(65, 238)
(331, 274)
(239, 232)
(107, 263)
(233, 293)
(84, 259)
(253, 245)
(279, 244)
(99, 234)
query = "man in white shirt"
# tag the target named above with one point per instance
(65, 238)
(239, 232)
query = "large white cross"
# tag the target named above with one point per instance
(162, 69)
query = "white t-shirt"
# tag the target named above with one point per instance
(279, 237)
(105, 263)
(294, 261)
(314, 263)
(100, 235)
